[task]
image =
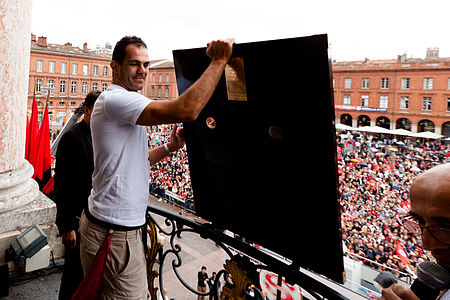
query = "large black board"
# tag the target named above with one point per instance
(267, 170)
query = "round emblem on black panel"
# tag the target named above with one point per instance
(211, 123)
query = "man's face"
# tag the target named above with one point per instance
(87, 114)
(134, 68)
(430, 197)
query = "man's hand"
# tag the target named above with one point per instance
(220, 50)
(397, 292)
(176, 138)
(69, 239)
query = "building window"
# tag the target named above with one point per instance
(159, 92)
(405, 84)
(74, 69)
(426, 103)
(448, 84)
(384, 101)
(160, 77)
(428, 83)
(50, 104)
(105, 71)
(62, 86)
(167, 77)
(384, 83)
(105, 86)
(347, 100)
(153, 91)
(95, 70)
(153, 77)
(94, 86)
(84, 87)
(38, 85)
(51, 85)
(74, 87)
(73, 104)
(365, 83)
(39, 66)
(347, 83)
(51, 67)
(61, 103)
(404, 102)
(166, 92)
(364, 100)
(63, 68)
(448, 104)
(85, 69)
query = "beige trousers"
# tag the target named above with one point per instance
(125, 276)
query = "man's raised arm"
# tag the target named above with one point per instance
(189, 105)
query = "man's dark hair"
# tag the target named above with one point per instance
(119, 49)
(91, 98)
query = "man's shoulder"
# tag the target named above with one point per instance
(74, 135)
(76, 131)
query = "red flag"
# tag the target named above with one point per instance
(50, 186)
(43, 159)
(31, 143)
(401, 253)
(90, 286)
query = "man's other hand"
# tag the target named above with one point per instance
(176, 138)
(69, 239)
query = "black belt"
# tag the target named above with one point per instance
(107, 225)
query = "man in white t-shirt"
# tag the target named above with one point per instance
(119, 196)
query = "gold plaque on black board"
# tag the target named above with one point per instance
(235, 78)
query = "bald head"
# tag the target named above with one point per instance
(430, 203)
(434, 185)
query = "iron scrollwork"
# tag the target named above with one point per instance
(241, 267)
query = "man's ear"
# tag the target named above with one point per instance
(115, 66)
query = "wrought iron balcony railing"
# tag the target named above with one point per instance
(244, 260)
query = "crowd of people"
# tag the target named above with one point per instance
(375, 173)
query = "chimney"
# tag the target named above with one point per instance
(33, 37)
(42, 41)
(432, 53)
(85, 47)
(402, 58)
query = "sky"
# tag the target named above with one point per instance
(356, 29)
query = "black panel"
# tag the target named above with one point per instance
(278, 192)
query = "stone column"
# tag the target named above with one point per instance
(21, 203)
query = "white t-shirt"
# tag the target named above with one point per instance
(119, 192)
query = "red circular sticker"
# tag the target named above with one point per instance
(211, 123)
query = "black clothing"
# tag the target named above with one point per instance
(201, 279)
(73, 176)
(73, 184)
(72, 273)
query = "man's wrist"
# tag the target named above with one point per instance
(168, 149)
(221, 63)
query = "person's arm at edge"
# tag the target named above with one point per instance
(189, 105)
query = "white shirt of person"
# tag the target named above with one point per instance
(121, 167)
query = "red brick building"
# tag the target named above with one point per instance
(161, 81)
(408, 93)
(69, 73)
